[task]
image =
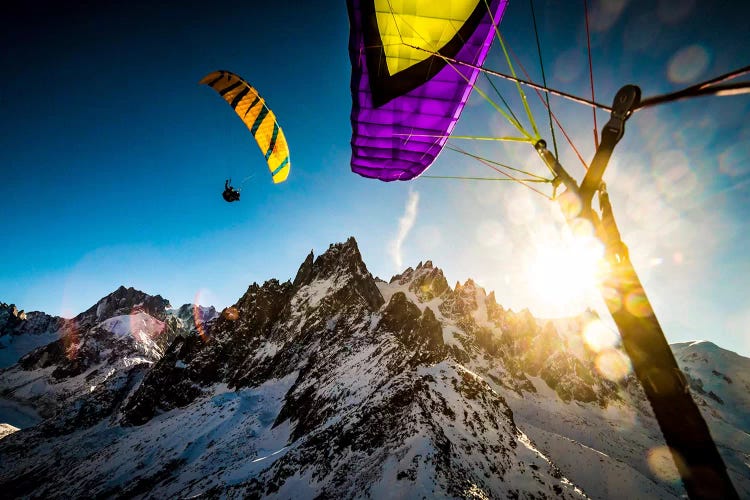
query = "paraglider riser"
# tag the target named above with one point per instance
(685, 432)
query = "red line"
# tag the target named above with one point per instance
(591, 73)
(503, 172)
(538, 93)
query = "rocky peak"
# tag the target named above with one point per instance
(404, 277)
(123, 301)
(267, 333)
(9, 318)
(259, 308)
(426, 281)
(188, 319)
(340, 257)
(495, 312)
(304, 274)
(125, 325)
(11, 310)
(463, 300)
(341, 262)
(418, 331)
(312, 388)
(16, 322)
(223, 352)
(194, 313)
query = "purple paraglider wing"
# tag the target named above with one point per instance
(406, 96)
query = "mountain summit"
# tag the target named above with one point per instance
(123, 301)
(337, 384)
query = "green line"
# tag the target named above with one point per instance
(481, 178)
(479, 91)
(477, 157)
(492, 84)
(544, 77)
(513, 72)
(469, 137)
(480, 138)
(500, 110)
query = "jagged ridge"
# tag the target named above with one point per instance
(338, 384)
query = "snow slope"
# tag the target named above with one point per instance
(341, 385)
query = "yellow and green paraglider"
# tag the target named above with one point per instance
(253, 111)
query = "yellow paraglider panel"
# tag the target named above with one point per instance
(252, 110)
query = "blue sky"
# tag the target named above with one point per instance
(113, 158)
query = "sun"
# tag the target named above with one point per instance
(563, 271)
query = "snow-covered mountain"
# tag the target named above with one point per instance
(89, 362)
(190, 318)
(339, 384)
(21, 332)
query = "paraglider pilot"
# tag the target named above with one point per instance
(230, 194)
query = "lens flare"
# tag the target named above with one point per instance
(642, 205)
(70, 339)
(662, 464)
(570, 204)
(582, 228)
(144, 327)
(569, 65)
(563, 271)
(519, 208)
(198, 317)
(598, 336)
(490, 233)
(605, 14)
(688, 64)
(637, 304)
(612, 298)
(696, 134)
(231, 313)
(674, 11)
(675, 176)
(613, 364)
(733, 160)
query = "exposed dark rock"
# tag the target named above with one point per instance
(420, 332)
(96, 355)
(344, 259)
(45, 356)
(719, 374)
(15, 322)
(99, 404)
(304, 274)
(462, 301)
(122, 301)
(340, 387)
(226, 352)
(426, 281)
(167, 385)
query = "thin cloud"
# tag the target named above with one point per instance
(405, 225)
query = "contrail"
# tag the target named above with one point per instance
(405, 225)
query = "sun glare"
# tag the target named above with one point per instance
(563, 271)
